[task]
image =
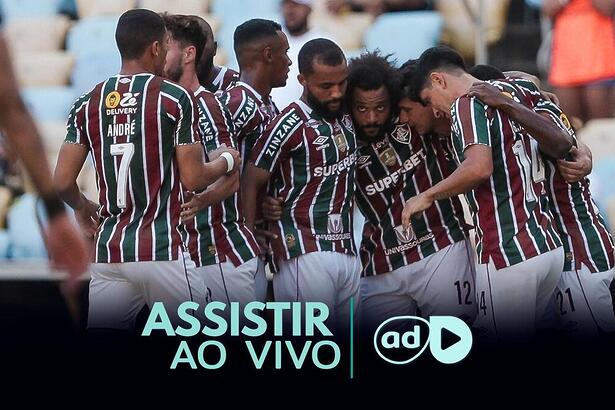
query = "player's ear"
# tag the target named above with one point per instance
(301, 79)
(437, 79)
(268, 54)
(215, 48)
(189, 54)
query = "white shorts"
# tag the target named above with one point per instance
(118, 291)
(512, 301)
(328, 277)
(584, 304)
(441, 284)
(229, 283)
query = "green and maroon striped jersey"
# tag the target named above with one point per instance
(250, 113)
(131, 125)
(397, 167)
(225, 79)
(577, 217)
(510, 209)
(218, 233)
(312, 162)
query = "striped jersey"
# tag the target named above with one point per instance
(225, 79)
(312, 162)
(577, 218)
(131, 124)
(510, 209)
(218, 233)
(390, 171)
(250, 113)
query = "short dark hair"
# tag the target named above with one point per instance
(252, 31)
(486, 72)
(406, 71)
(187, 31)
(136, 30)
(432, 59)
(322, 50)
(371, 71)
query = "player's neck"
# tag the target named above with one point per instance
(132, 67)
(257, 81)
(189, 80)
(464, 83)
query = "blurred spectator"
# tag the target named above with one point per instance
(583, 55)
(10, 174)
(377, 7)
(296, 14)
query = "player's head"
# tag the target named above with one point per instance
(323, 73)
(141, 35)
(296, 14)
(206, 63)
(185, 45)
(486, 72)
(439, 78)
(415, 114)
(261, 44)
(373, 93)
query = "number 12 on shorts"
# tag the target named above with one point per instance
(125, 152)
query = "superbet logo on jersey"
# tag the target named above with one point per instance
(403, 339)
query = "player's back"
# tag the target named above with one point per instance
(131, 125)
(510, 209)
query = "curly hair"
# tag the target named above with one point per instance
(370, 71)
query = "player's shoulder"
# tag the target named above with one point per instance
(173, 89)
(292, 119)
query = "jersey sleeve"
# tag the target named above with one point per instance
(470, 123)
(242, 110)
(187, 127)
(276, 142)
(215, 124)
(75, 131)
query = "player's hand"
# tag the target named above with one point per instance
(578, 168)
(264, 238)
(194, 203)
(87, 217)
(67, 248)
(272, 208)
(488, 94)
(552, 97)
(413, 206)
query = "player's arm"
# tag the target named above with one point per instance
(476, 168)
(215, 193)
(254, 179)
(194, 172)
(66, 248)
(551, 139)
(578, 165)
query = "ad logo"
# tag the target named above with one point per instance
(334, 224)
(403, 339)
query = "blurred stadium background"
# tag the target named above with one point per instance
(61, 48)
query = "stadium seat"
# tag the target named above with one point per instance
(91, 8)
(459, 31)
(190, 7)
(16, 9)
(49, 33)
(92, 34)
(421, 30)
(599, 136)
(602, 186)
(94, 67)
(348, 30)
(5, 241)
(24, 233)
(42, 69)
(244, 9)
(49, 103)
